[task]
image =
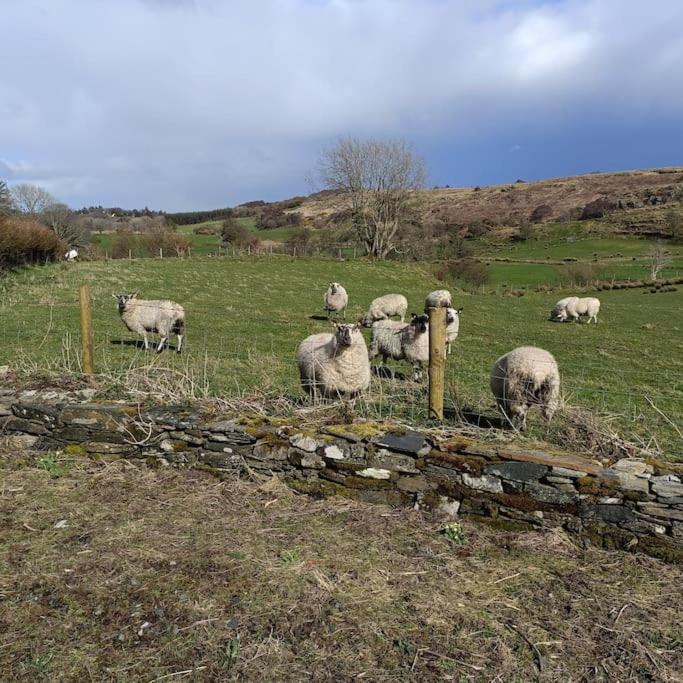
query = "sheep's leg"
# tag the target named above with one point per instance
(145, 341)
(162, 343)
(180, 342)
(448, 348)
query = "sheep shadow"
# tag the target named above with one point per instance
(476, 418)
(385, 372)
(140, 345)
(316, 316)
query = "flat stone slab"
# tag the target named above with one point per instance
(410, 442)
(518, 471)
(567, 461)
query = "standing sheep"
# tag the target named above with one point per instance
(525, 377)
(439, 298)
(588, 306)
(452, 327)
(158, 317)
(334, 364)
(402, 341)
(335, 299)
(384, 307)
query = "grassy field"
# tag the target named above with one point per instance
(119, 572)
(246, 316)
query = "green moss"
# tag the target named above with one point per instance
(588, 485)
(662, 550)
(364, 430)
(74, 449)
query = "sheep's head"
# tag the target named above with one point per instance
(122, 300)
(452, 314)
(347, 334)
(420, 323)
(333, 287)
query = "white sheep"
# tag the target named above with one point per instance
(384, 307)
(559, 311)
(71, 255)
(439, 298)
(525, 377)
(402, 341)
(452, 326)
(159, 317)
(331, 365)
(335, 299)
(588, 306)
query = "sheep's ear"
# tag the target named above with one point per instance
(458, 311)
(116, 296)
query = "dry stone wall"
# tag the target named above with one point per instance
(631, 504)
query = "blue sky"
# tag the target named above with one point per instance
(188, 104)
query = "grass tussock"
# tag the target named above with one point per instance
(119, 572)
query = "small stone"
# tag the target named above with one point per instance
(549, 494)
(61, 524)
(565, 472)
(218, 447)
(167, 446)
(518, 471)
(633, 466)
(609, 501)
(559, 480)
(410, 442)
(448, 506)
(484, 483)
(334, 452)
(412, 484)
(385, 459)
(626, 480)
(664, 511)
(305, 443)
(667, 489)
(374, 473)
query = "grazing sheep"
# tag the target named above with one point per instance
(559, 312)
(589, 306)
(71, 255)
(525, 377)
(384, 307)
(334, 364)
(160, 317)
(402, 341)
(440, 298)
(452, 326)
(335, 299)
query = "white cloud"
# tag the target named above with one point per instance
(180, 103)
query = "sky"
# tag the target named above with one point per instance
(198, 104)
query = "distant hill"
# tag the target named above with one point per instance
(631, 201)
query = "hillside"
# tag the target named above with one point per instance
(633, 200)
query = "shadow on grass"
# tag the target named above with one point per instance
(318, 317)
(476, 419)
(140, 345)
(385, 372)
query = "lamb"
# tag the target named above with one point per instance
(384, 307)
(440, 298)
(71, 255)
(335, 299)
(525, 377)
(452, 326)
(331, 365)
(402, 341)
(161, 317)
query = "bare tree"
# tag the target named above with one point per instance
(5, 198)
(65, 224)
(380, 179)
(658, 259)
(31, 199)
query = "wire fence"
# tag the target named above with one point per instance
(231, 355)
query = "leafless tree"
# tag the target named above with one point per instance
(31, 199)
(5, 198)
(658, 259)
(380, 179)
(65, 224)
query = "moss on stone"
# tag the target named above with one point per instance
(74, 449)
(364, 430)
(662, 550)
(588, 485)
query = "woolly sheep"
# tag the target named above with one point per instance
(71, 255)
(559, 312)
(384, 307)
(452, 326)
(334, 364)
(161, 317)
(402, 341)
(589, 306)
(525, 377)
(335, 299)
(440, 298)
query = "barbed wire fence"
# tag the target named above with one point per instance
(47, 338)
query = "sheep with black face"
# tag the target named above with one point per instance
(402, 341)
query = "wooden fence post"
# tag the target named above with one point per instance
(437, 361)
(130, 255)
(86, 329)
(161, 252)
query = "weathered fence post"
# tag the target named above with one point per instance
(248, 249)
(86, 329)
(437, 361)
(161, 252)
(354, 252)
(294, 252)
(130, 254)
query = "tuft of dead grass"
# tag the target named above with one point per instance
(120, 572)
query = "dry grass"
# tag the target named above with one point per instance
(168, 573)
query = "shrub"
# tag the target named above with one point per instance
(598, 208)
(24, 242)
(205, 230)
(579, 274)
(236, 235)
(467, 271)
(272, 217)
